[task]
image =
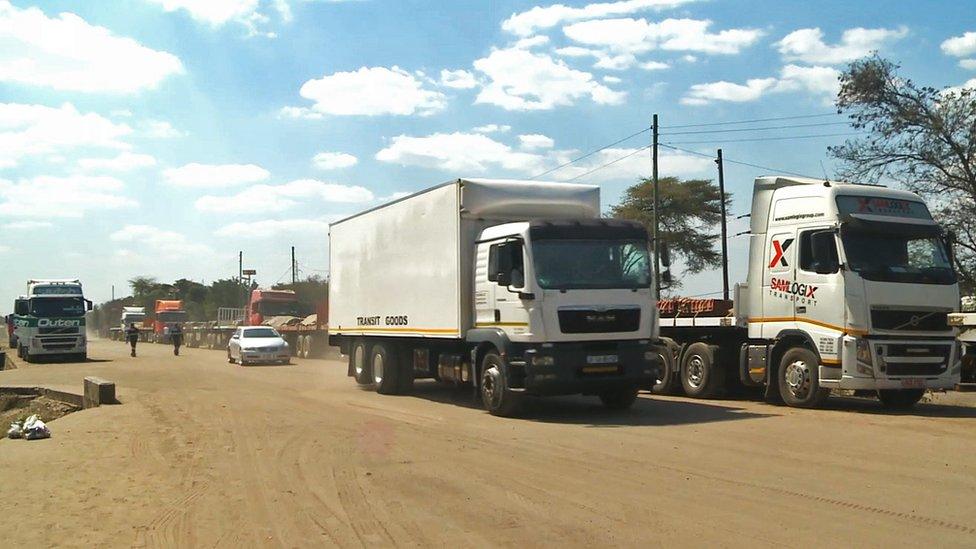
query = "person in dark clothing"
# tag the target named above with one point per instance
(132, 336)
(176, 336)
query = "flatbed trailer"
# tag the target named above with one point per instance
(966, 323)
(213, 334)
(307, 337)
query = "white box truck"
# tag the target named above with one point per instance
(848, 287)
(50, 320)
(516, 287)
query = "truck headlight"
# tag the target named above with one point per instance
(543, 360)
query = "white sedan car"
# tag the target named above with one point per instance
(253, 344)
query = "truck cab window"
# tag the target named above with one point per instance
(818, 252)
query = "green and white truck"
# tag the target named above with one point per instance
(50, 320)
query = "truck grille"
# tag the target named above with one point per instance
(908, 359)
(592, 321)
(58, 330)
(929, 321)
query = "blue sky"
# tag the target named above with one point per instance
(159, 137)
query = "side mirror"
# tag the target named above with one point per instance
(88, 304)
(950, 244)
(235, 336)
(665, 254)
(21, 307)
(666, 276)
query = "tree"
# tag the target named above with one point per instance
(691, 212)
(311, 291)
(920, 137)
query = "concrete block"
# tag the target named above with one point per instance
(98, 391)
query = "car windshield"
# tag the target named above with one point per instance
(577, 264)
(898, 257)
(260, 333)
(57, 306)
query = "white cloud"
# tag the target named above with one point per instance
(531, 142)
(270, 228)
(459, 79)
(969, 84)
(491, 128)
(541, 18)
(334, 160)
(27, 225)
(53, 197)
(31, 130)
(612, 80)
(815, 80)
(67, 53)
(300, 113)
(215, 175)
(520, 80)
(702, 94)
(370, 91)
(161, 129)
(217, 13)
(531, 42)
(807, 45)
(160, 242)
(276, 198)
(969, 64)
(638, 35)
(468, 153)
(125, 161)
(960, 46)
(654, 66)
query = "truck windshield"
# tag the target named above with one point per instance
(57, 306)
(578, 264)
(171, 316)
(134, 318)
(898, 257)
(279, 308)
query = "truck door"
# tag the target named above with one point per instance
(819, 291)
(778, 309)
(506, 272)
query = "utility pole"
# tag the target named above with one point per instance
(657, 254)
(294, 275)
(725, 250)
(240, 274)
(113, 292)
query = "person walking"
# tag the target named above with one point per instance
(132, 336)
(176, 336)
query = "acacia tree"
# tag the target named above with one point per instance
(691, 212)
(921, 137)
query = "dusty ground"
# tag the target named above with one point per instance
(203, 453)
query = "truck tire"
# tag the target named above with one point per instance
(619, 399)
(701, 375)
(310, 346)
(359, 357)
(303, 344)
(799, 379)
(497, 398)
(385, 366)
(405, 376)
(670, 380)
(900, 399)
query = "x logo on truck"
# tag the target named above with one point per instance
(779, 253)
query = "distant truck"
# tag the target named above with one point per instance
(50, 320)
(169, 312)
(133, 315)
(966, 323)
(515, 287)
(848, 287)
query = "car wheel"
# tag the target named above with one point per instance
(360, 365)
(385, 368)
(497, 398)
(799, 379)
(701, 377)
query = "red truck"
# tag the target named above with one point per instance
(168, 313)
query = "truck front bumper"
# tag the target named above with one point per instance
(587, 367)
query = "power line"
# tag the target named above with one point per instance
(727, 159)
(763, 128)
(797, 117)
(779, 138)
(591, 153)
(614, 161)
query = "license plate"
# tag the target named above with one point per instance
(913, 383)
(602, 359)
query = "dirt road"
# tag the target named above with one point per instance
(204, 453)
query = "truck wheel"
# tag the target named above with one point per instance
(309, 346)
(385, 368)
(900, 399)
(405, 375)
(670, 380)
(619, 399)
(303, 346)
(498, 399)
(701, 376)
(360, 366)
(799, 379)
